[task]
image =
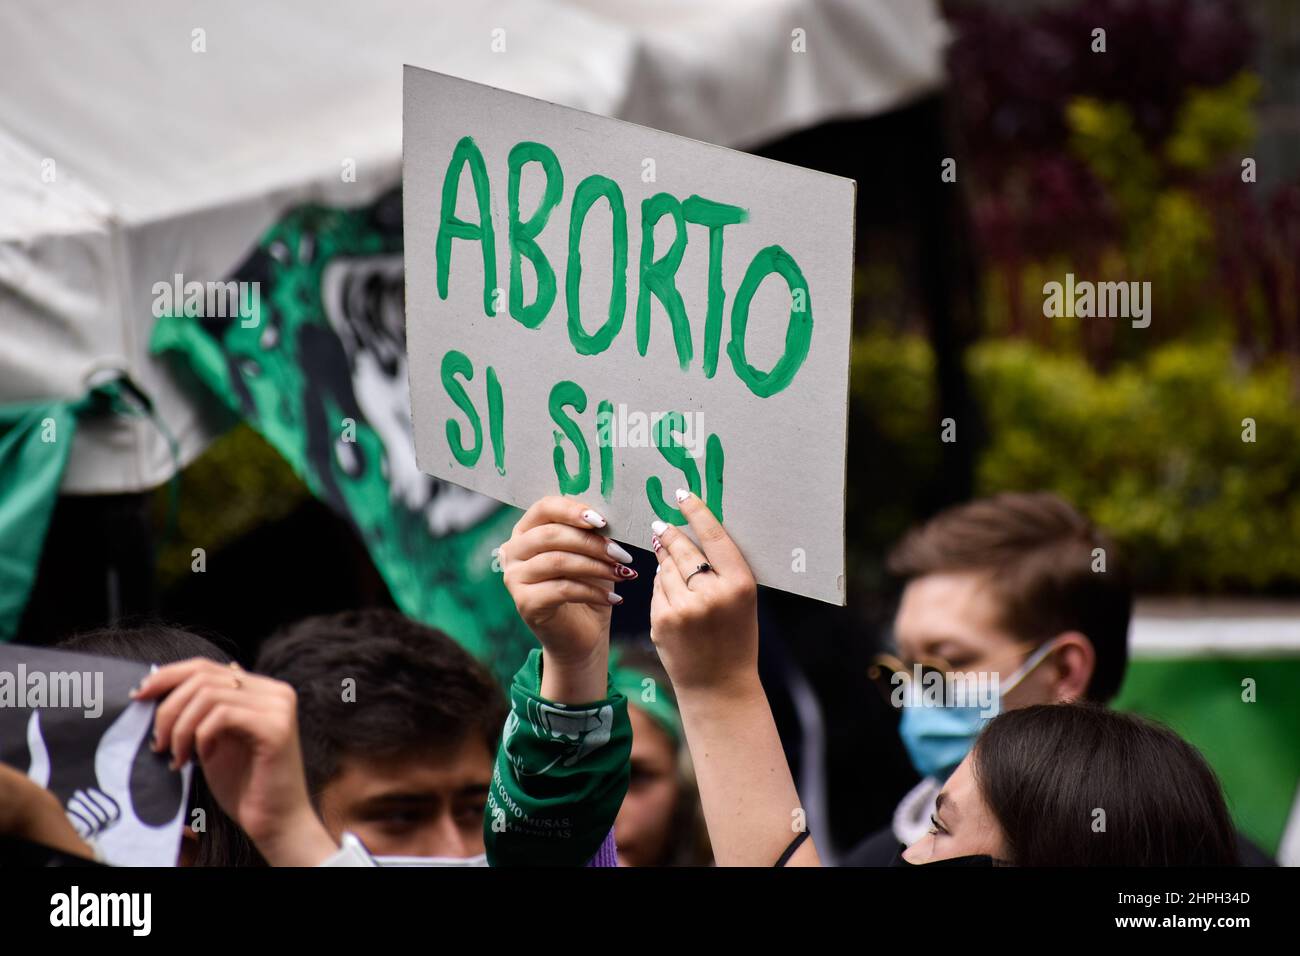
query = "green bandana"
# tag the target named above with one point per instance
(560, 777)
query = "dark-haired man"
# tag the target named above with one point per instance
(399, 728)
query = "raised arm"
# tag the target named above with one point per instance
(705, 625)
(563, 764)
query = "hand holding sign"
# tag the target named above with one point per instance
(561, 574)
(244, 730)
(705, 628)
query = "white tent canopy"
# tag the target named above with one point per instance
(129, 155)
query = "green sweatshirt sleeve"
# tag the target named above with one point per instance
(560, 777)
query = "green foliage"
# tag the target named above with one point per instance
(240, 482)
(893, 447)
(1170, 211)
(1104, 136)
(1168, 233)
(1213, 124)
(892, 384)
(1153, 451)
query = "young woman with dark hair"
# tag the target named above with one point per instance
(1080, 785)
(1046, 785)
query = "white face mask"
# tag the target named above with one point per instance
(480, 860)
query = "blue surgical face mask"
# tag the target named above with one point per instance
(937, 739)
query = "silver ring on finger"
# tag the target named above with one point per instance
(704, 566)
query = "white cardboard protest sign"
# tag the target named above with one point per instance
(611, 312)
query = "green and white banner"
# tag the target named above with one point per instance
(314, 358)
(1224, 675)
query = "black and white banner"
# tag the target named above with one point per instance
(67, 721)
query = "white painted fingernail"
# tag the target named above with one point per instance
(614, 598)
(618, 553)
(659, 527)
(593, 519)
(682, 495)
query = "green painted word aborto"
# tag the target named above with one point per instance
(656, 278)
(656, 271)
